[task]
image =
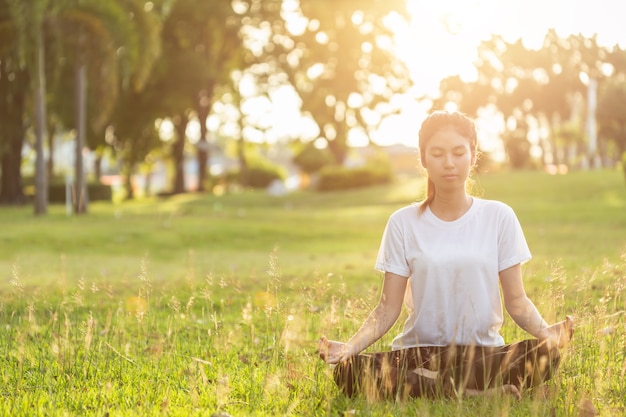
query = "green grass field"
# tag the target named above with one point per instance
(200, 305)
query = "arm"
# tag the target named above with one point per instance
(525, 314)
(380, 320)
(520, 307)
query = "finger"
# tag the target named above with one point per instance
(322, 347)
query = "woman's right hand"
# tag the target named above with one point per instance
(333, 352)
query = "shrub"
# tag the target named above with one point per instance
(311, 159)
(57, 186)
(340, 178)
(95, 192)
(261, 173)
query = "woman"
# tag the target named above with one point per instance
(447, 258)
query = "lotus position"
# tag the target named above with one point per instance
(447, 258)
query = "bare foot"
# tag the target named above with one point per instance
(511, 390)
(508, 389)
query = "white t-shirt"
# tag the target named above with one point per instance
(453, 292)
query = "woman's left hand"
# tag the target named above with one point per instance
(559, 334)
(333, 352)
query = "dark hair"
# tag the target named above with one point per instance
(434, 123)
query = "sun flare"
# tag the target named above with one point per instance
(454, 16)
(442, 36)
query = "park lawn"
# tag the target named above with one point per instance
(196, 304)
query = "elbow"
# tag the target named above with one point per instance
(518, 306)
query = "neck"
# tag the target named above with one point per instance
(450, 206)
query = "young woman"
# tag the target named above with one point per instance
(447, 258)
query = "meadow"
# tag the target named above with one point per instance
(200, 305)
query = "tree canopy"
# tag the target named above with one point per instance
(113, 72)
(546, 86)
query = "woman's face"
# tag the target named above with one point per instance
(448, 158)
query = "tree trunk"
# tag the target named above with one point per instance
(81, 200)
(203, 109)
(203, 153)
(128, 180)
(97, 165)
(178, 154)
(41, 183)
(147, 187)
(243, 163)
(12, 102)
(51, 133)
(202, 147)
(11, 191)
(339, 146)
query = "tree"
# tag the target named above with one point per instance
(28, 18)
(109, 46)
(339, 59)
(139, 100)
(201, 46)
(13, 84)
(86, 40)
(544, 85)
(611, 116)
(14, 88)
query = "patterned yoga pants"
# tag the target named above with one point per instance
(437, 371)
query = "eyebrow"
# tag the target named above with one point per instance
(440, 148)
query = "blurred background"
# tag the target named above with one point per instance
(131, 98)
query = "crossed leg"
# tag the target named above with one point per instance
(452, 371)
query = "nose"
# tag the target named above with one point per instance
(448, 163)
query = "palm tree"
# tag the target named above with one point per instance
(29, 18)
(87, 37)
(14, 88)
(110, 46)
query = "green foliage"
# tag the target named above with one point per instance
(261, 173)
(334, 45)
(541, 84)
(198, 304)
(377, 170)
(611, 115)
(14, 94)
(57, 190)
(57, 193)
(518, 150)
(311, 159)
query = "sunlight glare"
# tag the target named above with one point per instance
(456, 16)
(166, 129)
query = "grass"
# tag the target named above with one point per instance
(199, 305)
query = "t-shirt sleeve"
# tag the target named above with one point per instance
(391, 254)
(512, 246)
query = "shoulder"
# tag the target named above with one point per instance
(497, 213)
(407, 212)
(493, 207)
